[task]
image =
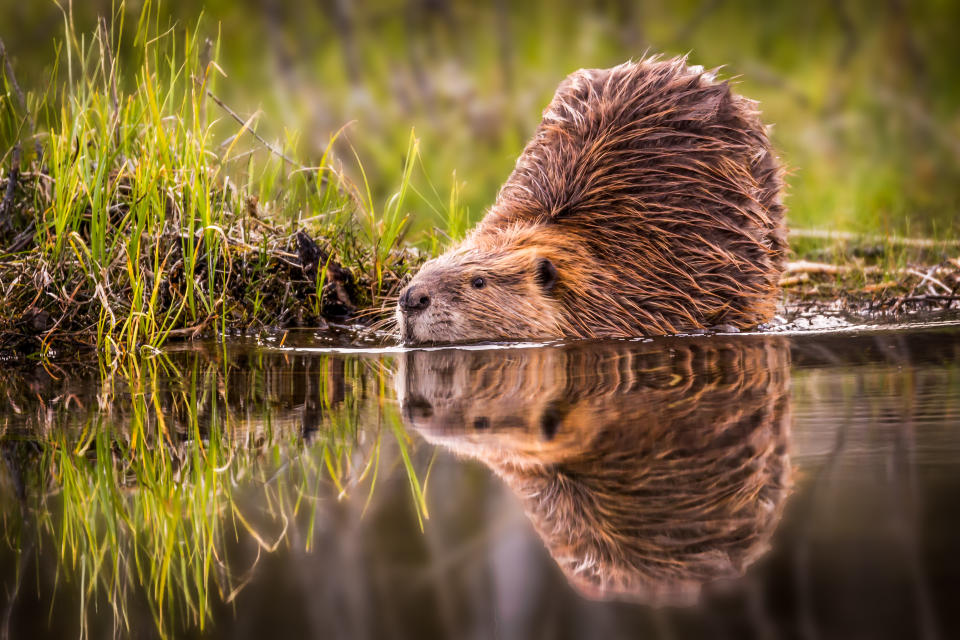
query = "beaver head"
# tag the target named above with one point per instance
(512, 284)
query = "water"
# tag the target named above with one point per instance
(788, 485)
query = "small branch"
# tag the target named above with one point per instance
(805, 266)
(792, 281)
(928, 277)
(22, 99)
(21, 241)
(233, 114)
(6, 206)
(8, 68)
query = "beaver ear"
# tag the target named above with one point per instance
(546, 274)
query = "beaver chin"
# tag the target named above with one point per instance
(427, 328)
(408, 329)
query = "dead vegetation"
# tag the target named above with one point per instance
(872, 274)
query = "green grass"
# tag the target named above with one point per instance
(195, 457)
(149, 210)
(166, 170)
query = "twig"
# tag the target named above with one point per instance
(790, 281)
(6, 206)
(920, 300)
(12, 77)
(913, 289)
(233, 114)
(262, 224)
(20, 242)
(805, 266)
(21, 98)
(928, 277)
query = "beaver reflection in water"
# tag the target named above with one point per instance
(647, 469)
(648, 202)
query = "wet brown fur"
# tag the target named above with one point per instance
(653, 190)
(648, 470)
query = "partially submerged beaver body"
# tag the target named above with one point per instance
(647, 202)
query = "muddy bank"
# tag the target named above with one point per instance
(869, 289)
(175, 279)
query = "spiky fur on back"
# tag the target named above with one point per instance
(657, 191)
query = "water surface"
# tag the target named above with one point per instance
(786, 485)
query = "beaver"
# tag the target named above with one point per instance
(648, 202)
(648, 469)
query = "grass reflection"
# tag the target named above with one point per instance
(144, 482)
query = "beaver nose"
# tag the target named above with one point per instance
(415, 298)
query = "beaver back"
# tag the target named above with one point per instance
(669, 181)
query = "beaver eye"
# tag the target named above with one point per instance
(479, 283)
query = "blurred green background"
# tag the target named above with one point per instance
(864, 96)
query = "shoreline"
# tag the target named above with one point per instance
(810, 290)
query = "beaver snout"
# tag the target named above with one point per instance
(415, 298)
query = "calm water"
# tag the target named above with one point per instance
(779, 486)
